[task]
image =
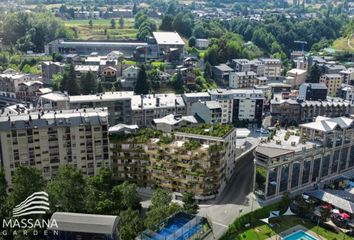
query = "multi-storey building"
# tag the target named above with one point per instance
(333, 83)
(286, 112)
(209, 112)
(28, 91)
(294, 161)
(240, 104)
(46, 140)
(146, 108)
(9, 82)
(297, 76)
(272, 67)
(197, 159)
(241, 65)
(347, 93)
(50, 68)
(313, 91)
(242, 79)
(118, 104)
(190, 98)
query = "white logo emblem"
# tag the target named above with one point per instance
(37, 203)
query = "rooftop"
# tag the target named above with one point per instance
(39, 119)
(86, 68)
(168, 38)
(324, 124)
(151, 101)
(297, 71)
(216, 130)
(87, 223)
(107, 96)
(172, 119)
(223, 68)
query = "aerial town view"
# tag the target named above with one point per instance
(176, 119)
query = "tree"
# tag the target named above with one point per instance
(72, 86)
(142, 85)
(166, 23)
(315, 74)
(25, 182)
(178, 83)
(189, 203)
(155, 216)
(131, 224)
(155, 79)
(57, 80)
(67, 190)
(113, 23)
(208, 73)
(91, 23)
(88, 83)
(135, 9)
(100, 88)
(191, 41)
(63, 82)
(3, 192)
(128, 194)
(160, 198)
(121, 22)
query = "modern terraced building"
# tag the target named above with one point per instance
(199, 160)
(296, 160)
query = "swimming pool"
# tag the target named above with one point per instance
(299, 235)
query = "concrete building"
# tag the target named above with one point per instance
(298, 77)
(333, 83)
(50, 68)
(146, 108)
(348, 76)
(201, 43)
(171, 123)
(46, 140)
(296, 160)
(334, 68)
(117, 103)
(221, 74)
(241, 65)
(272, 67)
(286, 112)
(313, 91)
(10, 82)
(165, 161)
(190, 98)
(347, 93)
(242, 79)
(240, 105)
(28, 91)
(168, 45)
(209, 112)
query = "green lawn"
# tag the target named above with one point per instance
(262, 231)
(341, 44)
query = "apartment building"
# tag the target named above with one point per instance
(348, 76)
(28, 91)
(296, 160)
(47, 139)
(333, 83)
(286, 112)
(198, 159)
(209, 112)
(347, 93)
(313, 91)
(190, 98)
(245, 65)
(298, 77)
(9, 82)
(272, 67)
(221, 73)
(240, 105)
(50, 68)
(242, 79)
(117, 103)
(146, 108)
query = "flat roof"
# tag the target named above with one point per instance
(86, 223)
(107, 96)
(168, 38)
(101, 44)
(152, 101)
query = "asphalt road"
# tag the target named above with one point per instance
(236, 199)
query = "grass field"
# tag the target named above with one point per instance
(263, 231)
(101, 29)
(341, 44)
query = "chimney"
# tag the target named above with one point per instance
(157, 102)
(142, 101)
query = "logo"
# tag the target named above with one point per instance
(37, 203)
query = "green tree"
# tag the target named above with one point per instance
(67, 190)
(25, 182)
(131, 224)
(121, 22)
(166, 23)
(91, 23)
(100, 87)
(128, 194)
(155, 79)
(72, 85)
(88, 83)
(142, 85)
(3, 192)
(160, 198)
(315, 74)
(191, 41)
(113, 23)
(178, 83)
(155, 216)
(208, 73)
(57, 79)
(135, 9)
(189, 203)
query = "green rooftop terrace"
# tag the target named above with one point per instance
(216, 130)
